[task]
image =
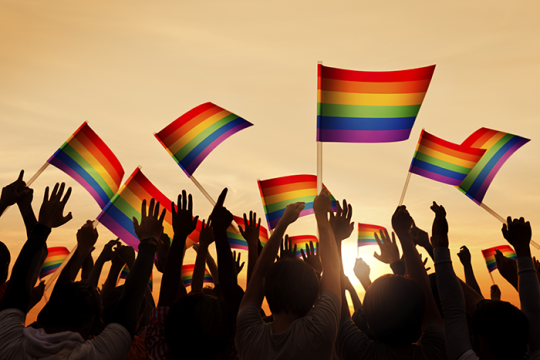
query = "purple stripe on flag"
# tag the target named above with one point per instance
(434, 176)
(363, 136)
(118, 230)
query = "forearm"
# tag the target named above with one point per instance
(112, 279)
(128, 307)
(28, 216)
(228, 279)
(93, 279)
(529, 295)
(198, 271)
(470, 279)
(329, 255)
(453, 305)
(212, 266)
(17, 294)
(171, 279)
(253, 255)
(429, 250)
(398, 268)
(357, 304)
(70, 271)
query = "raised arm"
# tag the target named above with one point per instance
(148, 231)
(13, 193)
(251, 233)
(402, 223)
(17, 294)
(106, 255)
(183, 224)
(465, 258)
(122, 253)
(255, 289)
(518, 233)
(86, 239)
(206, 237)
(362, 270)
(389, 252)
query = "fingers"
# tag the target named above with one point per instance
(190, 204)
(184, 200)
(303, 254)
(143, 210)
(221, 198)
(21, 174)
(46, 195)
(311, 248)
(378, 240)
(376, 256)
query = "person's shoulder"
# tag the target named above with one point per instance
(12, 314)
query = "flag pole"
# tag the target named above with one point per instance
(205, 193)
(404, 189)
(33, 178)
(501, 219)
(319, 154)
(58, 271)
(491, 275)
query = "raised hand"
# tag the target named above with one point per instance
(507, 268)
(341, 221)
(419, 236)
(287, 251)
(206, 236)
(151, 225)
(312, 258)
(389, 249)
(425, 262)
(52, 209)
(518, 233)
(495, 293)
(221, 217)
(14, 192)
(292, 212)
(402, 221)
(322, 205)
(164, 244)
(362, 270)
(108, 252)
(237, 264)
(439, 231)
(464, 255)
(126, 255)
(86, 238)
(251, 229)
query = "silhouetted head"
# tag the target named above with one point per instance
(291, 286)
(110, 302)
(5, 259)
(500, 330)
(198, 324)
(394, 310)
(72, 306)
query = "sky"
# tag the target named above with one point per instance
(129, 68)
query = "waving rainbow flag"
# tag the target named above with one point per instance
(499, 147)
(277, 193)
(125, 272)
(369, 106)
(118, 214)
(54, 259)
(301, 241)
(187, 275)
(366, 234)
(190, 138)
(86, 158)
(443, 161)
(489, 255)
(236, 241)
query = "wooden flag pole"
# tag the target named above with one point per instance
(491, 275)
(33, 178)
(404, 189)
(319, 167)
(501, 219)
(205, 193)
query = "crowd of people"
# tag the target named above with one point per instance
(404, 315)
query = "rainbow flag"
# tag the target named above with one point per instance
(125, 272)
(499, 147)
(366, 234)
(190, 138)
(118, 214)
(443, 161)
(236, 241)
(277, 193)
(301, 241)
(187, 275)
(489, 255)
(54, 259)
(369, 106)
(86, 158)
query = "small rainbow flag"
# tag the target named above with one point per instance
(277, 193)
(190, 138)
(301, 241)
(126, 204)
(499, 147)
(187, 275)
(369, 106)
(366, 234)
(54, 259)
(489, 255)
(125, 272)
(443, 161)
(86, 158)
(236, 241)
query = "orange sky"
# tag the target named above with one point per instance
(131, 67)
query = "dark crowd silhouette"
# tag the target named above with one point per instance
(407, 314)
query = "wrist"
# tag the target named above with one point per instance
(523, 251)
(322, 217)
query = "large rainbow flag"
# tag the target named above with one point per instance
(190, 138)
(443, 161)
(301, 241)
(118, 214)
(277, 193)
(187, 275)
(489, 255)
(369, 106)
(499, 147)
(366, 234)
(54, 259)
(88, 160)
(125, 272)
(236, 241)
